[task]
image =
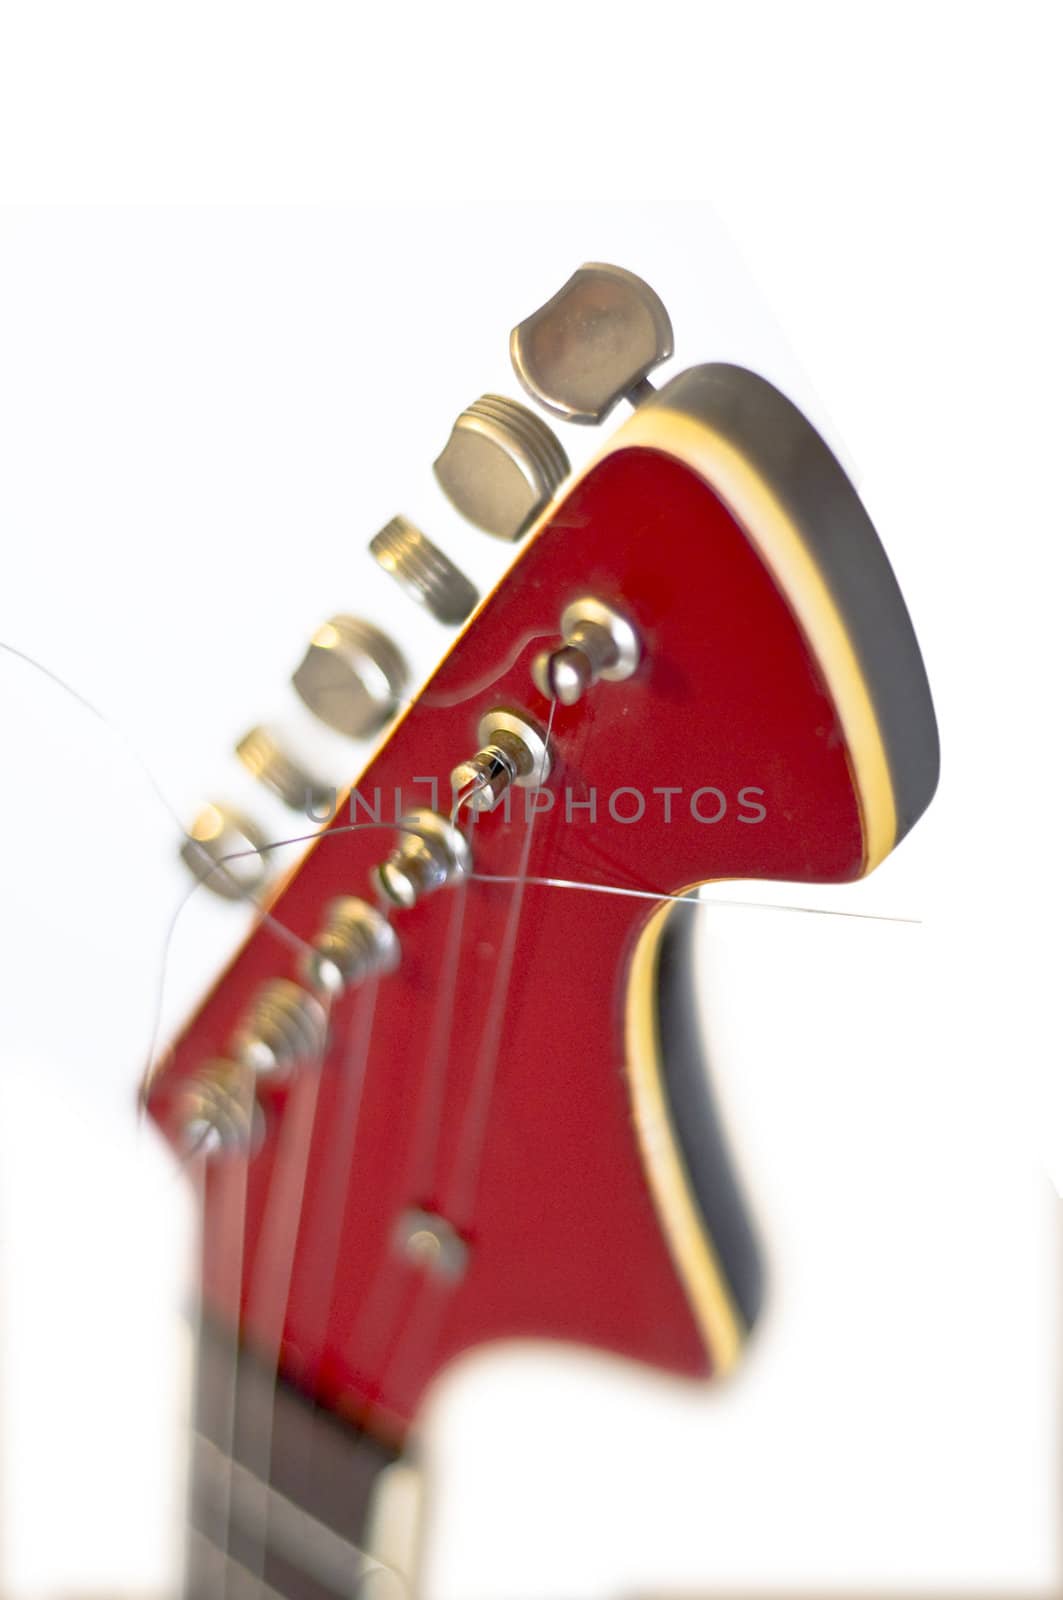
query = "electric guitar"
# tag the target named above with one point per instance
(450, 1090)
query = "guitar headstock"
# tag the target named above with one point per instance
(446, 1086)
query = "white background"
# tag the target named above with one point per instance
(203, 417)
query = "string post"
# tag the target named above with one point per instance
(431, 853)
(514, 750)
(285, 1024)
(599, 643)
(356, 942)
(216, 1111)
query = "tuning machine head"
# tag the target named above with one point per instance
(592, 344)
(355, 942)
(423, 570)
(217, 1112)
(264, 756)
(285, 1023)
(501, 466)
(226, 851)
(352, 676)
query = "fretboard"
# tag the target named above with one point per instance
(281, 1489)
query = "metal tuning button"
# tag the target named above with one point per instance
(424, 571)
(224, 849)
(592, 344)
(599, 643)
(352, 676)
(285, 1024)
(430, 854)
(513, 751)
(217, 1112)
(262, 754)
(501, 466)
(355, 942)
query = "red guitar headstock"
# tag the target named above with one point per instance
(482, 1110)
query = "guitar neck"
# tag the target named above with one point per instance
(282, 1491)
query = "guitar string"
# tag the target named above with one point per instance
(340, 1156)
(230, 1222)
(107, 722)
(436, 702)
(695, 899)
(469, 1153)
(270, 1274)
(430, 1106)
(276, 1294)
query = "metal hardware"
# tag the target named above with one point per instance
(262, 754)
(355, 942)
(217, 836)
(592, 344)
(431, 1241)
(513, 751)
(216, 1110)
(431, 852)
(351, 677)
(285, 1024)
(501, 466)
(599, 643)
(424, 571)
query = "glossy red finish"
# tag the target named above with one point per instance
(564, 1241)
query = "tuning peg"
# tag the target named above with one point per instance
(423, 570)
(262, 754)
(501, 466)
(352, 676)
(355, 942)
(216, 1111)
(285, 1024)
(598, 643)
(592, 344)
(225, 850)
